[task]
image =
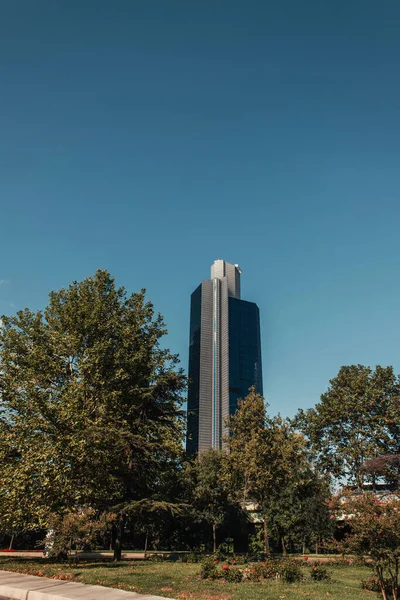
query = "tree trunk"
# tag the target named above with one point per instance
(316, 547)
(214, 529)
(383, 591)
(145, 544)
(381, 582)
(283, 545)
(11, 542)
(119, 534)
(304, 547)
(266, 539)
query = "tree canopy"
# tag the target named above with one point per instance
(357, 418)
(266, 457)
(90, 403)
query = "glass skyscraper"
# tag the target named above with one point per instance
(224, 355)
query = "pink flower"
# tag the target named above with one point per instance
(332, 516)
(306, 558)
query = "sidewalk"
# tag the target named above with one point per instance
(28, 587)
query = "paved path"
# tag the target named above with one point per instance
(27, 587)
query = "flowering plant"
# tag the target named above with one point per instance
(375, 532)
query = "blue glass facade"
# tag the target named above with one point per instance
(194, 372)
(245, 369)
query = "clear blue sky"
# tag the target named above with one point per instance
(150, 137)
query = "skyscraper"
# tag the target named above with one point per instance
(224, 355)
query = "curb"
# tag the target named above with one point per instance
(29, 587)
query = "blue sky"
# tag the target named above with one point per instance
(150, 137)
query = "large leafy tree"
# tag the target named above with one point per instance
(206, 489)
(357, 418)
(90, 405)
(299, 515)
(264, 455)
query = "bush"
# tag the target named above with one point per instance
(208, 569)
(265, 570)
(358, 561)
(339, 562)
(290, 570)
(372, 585)
(190, 557)
(319, 572)
(257, 572)
(232, 574)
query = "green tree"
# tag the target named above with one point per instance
(300, 515)
(262, 452)
(90, 405)
(357, 418)
(207, 491)
(375, 532)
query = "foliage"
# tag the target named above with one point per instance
(290, 571)
(357, 419)
(190, 557)
(74, 531)
(372, 585)
(375, 532)
(256, 543)
(265, 457)
(319, 572)
(207, 491)
(386, 467)
(263, 570)
(90, 406)
(299, 515)
(232, 574)
(226, 547)
(208, 568)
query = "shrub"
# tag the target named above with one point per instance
(339, 562)
(208, 569)
(372, 585)
(257, 572)
(266, 570)
(375, 532)
(290, 570)
(358, 561)
(319, 572)
(232, 574)
(190, 557)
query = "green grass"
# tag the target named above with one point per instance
(181, 581)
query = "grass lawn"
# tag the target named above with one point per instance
(181, 581)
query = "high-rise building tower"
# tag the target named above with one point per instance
(224, 355)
